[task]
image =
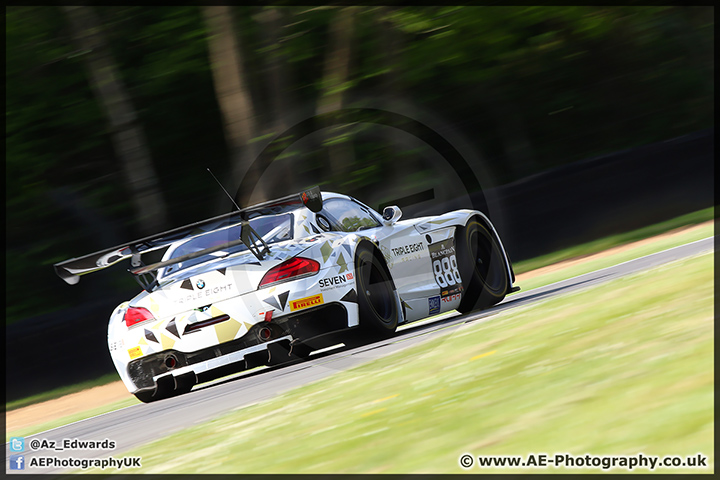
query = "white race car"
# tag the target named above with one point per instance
(268, 283)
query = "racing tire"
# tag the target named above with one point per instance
(482, 267)
(376, 297)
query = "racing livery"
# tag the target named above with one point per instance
(266, 284)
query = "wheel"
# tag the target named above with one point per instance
(482, 267)
(376, 295)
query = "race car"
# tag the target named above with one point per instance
(266, 284)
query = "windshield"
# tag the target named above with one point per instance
(272, 228)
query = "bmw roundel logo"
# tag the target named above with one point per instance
(200, 284)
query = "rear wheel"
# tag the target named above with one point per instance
(482, 267)
(376, 295)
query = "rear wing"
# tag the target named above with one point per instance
(71, 270)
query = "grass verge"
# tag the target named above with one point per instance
(605, 243)
(617, 369)
(604, 261)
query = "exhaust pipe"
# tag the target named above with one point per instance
(170, 362)
(264, 334)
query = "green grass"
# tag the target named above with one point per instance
(621, 368)
(616, 258)
(42, 427)
(602, 244)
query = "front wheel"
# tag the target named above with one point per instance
(482, 267)
(376, 295)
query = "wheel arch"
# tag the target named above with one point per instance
(485, 221)
(375, 249)
(377, 254)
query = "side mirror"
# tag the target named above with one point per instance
(391, 214)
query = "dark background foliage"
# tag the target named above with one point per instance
(530, 88)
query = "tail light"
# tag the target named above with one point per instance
(135, 315)
(295, 267)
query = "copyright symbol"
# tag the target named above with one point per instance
(35, 444)
(466, 461)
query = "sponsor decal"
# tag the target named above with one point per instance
(408, 249)
(445, 248)
(434, 305)
(332, 282)
(306, 302)
(203, 294)
(135, 352)
(452, 291)
(200, 284)
(451, 298)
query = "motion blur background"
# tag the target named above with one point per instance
(113, 115)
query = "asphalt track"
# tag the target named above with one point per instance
(136, 425)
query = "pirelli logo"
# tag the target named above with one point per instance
(306, 302)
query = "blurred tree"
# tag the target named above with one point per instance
(335, 82)
(234, 98)
(388, 50)
(127, 135)
(277, 76)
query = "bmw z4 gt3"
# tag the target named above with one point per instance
(265, 284)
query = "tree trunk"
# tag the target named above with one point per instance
(277, 87)
(335, 77)
(391, 89)
(234, 100)
(277, 76)
(127, 135)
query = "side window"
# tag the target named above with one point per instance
(348, 215)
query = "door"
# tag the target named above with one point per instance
(404, 248)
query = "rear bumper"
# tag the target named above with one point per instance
(222, 361)
(249, 351)
(315, 322)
